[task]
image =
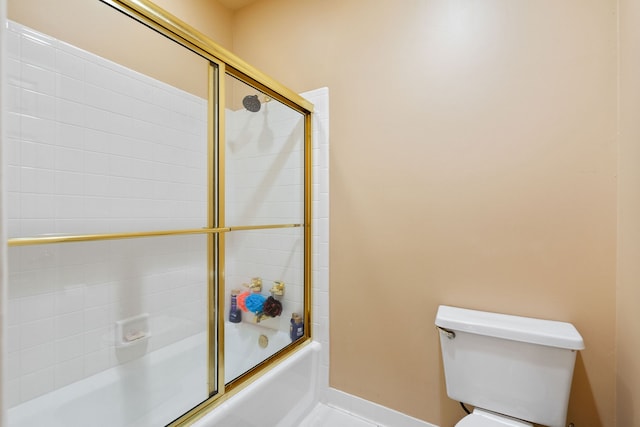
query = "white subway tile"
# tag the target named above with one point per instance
(37, 159)
(14, 226)
(13, 44)
(35, 333)
(13, 339)
(36, 226)
(37, 307)
(38, 50)
(98, 339)
(37, 129)
(95, 317)
(13, 99)
(70, 183)
(99, 97)
(13, 365)
(70, 136)
(36, 35)
(36, 358)
(69, 324)
(69, 302)
(13, 185)
(97, 208)
(69, 64)
(142, 89)
(98, 141)
(36, 384)
(69, 347)
(68, 371)
(38, 79)
(96, 295)
(70, 89)
(70, 112)
(12, 392)
(69, 159)
(13, 125)
(69, 207)
(96, 361)
(95, 164)
(35, 206)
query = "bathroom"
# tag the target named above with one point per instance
(501, 178)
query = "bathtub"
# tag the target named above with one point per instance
(280, 398)
(162, 385)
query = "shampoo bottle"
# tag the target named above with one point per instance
(235, 315)
(296, 330)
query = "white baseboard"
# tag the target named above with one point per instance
(372, 412)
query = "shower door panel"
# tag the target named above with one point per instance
(264, 207)
(264, 159)
(109, 154)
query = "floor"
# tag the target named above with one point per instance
(326, 416)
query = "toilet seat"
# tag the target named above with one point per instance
(483, 418)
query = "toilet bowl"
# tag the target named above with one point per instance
(481, 418)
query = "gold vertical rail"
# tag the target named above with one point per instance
(221, 187)
(212, 240)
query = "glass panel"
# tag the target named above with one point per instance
(275, 256)
(264, 159)
(107, 132)
(98, 147)
(114, 331)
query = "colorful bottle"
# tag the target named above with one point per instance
(235, 315)
(296, 330)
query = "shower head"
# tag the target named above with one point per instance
(251, 103)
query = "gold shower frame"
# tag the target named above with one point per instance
(222, 62)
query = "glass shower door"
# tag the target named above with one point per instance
(109, 195)
(157, 253)
(264, 208)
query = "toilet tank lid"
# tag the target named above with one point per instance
(516, 328)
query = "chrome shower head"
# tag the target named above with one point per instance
(251, 103)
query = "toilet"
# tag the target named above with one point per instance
(514, 370)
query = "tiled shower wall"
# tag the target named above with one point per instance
(320, 246)
(97, 148)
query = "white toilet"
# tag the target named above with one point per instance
(514, 370)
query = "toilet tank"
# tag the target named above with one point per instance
(512, 365)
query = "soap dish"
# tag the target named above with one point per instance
(132, 331)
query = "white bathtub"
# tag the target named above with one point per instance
(162, 385)
(131, 394)
(280, 398)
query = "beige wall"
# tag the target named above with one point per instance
(473, 163)
(207, 16)
(628, 350)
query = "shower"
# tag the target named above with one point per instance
(137, 221)
(251, 103)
